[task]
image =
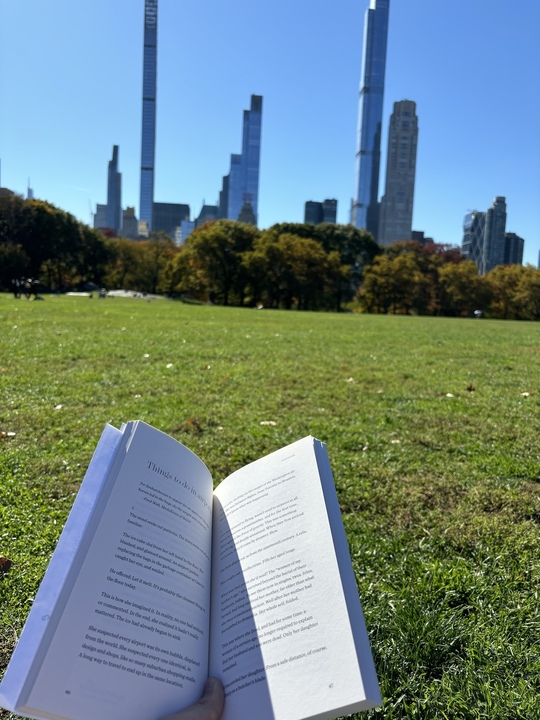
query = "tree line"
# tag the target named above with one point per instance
(437, 280)
(289, 266)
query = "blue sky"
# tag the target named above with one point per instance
(70, 89)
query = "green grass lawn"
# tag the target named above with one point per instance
(432, 427)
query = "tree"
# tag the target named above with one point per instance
(93, 256)
(12, 209)
(528, 293)
(447, 253)
(48, 243)
(156, 254)
(13, 263)
(61, 244)
(504, 282)
(338, 281)
(461, 289)
(304, 266)
(515, 292)
(266, 270)
(394, 284)
(124, 259)
(186, 275)
(356, 249)
(39, 230)
(210, 265)
(427, 259)
(287, 270)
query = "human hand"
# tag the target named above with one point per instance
(209, 707)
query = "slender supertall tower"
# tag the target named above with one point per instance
(114, 193)
(365, 209)
(251, 154)
(148, 142)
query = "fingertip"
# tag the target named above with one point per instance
(210, 685)
(214, 694)
(213, 686)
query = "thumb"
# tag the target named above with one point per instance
(209, 707)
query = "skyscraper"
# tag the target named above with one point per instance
(329, 211)
(485, 240)
(251, 153)
(513, 249)
(168, 217)
(494, 235)
(130, 224)
(365, 209)
(472, 245)
(395, 220)
(148, 141)
(100, 217)
(114, 194)
(313, 212)
(240, 190)
(320, 212)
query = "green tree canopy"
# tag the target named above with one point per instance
(287, 270)
(514, 290)
(356, 248)
(55, 247)
(157, 253)
(528, 293)
(210, 265)
(461, 289)
(394, 283)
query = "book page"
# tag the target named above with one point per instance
(282, 639)
(38, 627)
(132, 639)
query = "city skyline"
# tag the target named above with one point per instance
(60, 134)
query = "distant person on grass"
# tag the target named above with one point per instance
(209, 707)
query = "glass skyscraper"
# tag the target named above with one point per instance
(251, 153)
(472, 245)
(148, 141)
(320, 212)
(365, 209)
(168, 218)
(240, 188)
(513, 249)
(494, 234)
(485, 240)
(234, 200)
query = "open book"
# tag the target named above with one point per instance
(159, 581)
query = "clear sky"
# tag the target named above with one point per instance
(71, 79)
